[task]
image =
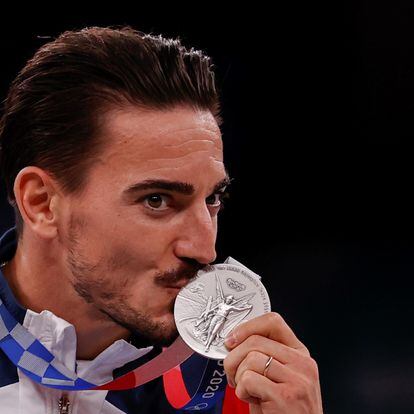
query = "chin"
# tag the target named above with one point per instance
(164, 334)
(149, 329)
(167, 329)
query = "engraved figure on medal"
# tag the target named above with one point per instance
(210, 324)
(205, 314)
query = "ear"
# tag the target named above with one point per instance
(38, 201)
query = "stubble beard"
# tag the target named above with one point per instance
(113, 305)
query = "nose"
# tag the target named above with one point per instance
(197, 236)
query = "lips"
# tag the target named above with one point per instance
(179, 285)
(176, 278)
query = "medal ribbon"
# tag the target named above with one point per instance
(29, 355)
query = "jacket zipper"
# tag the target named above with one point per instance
(64, 404)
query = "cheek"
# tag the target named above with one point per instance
(128, 240)
(139, 232)
(132, 268)
(124, 245)
(150, 241)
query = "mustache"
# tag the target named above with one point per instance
(173, 276)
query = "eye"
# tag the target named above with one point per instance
(217, 199)
(156, 202)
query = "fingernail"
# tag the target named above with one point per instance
(230, 340)
(230, 382)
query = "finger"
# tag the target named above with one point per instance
(270, 325)
(278, 398)
(256, 361)
(253, 387)
(254, 408)
(280, 352)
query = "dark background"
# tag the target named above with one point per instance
(318, 107)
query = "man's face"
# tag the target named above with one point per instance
(147, 220)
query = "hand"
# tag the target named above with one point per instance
(291, 384)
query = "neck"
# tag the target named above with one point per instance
(38, 285)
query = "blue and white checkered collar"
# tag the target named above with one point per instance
(8, 245)
(59, 337)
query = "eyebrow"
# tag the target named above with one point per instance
(175, 186)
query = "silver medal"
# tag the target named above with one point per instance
(218, 299)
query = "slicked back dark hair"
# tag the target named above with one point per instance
(52, 112)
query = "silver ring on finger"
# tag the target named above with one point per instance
(266, 368)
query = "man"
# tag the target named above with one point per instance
(112, 157)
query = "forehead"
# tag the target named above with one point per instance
(130, 119)
(149, 129)
(143, 141)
